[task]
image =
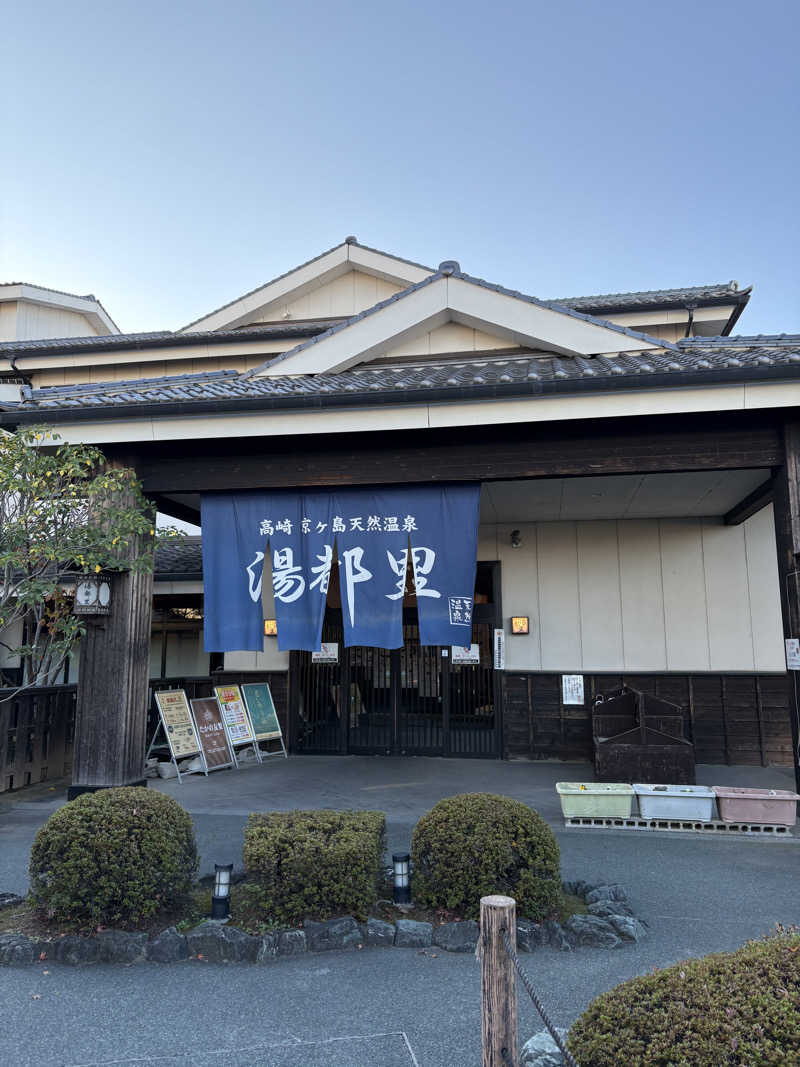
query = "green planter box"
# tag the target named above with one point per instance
(595, 799)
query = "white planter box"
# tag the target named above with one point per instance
(598, 799)
(689, 802)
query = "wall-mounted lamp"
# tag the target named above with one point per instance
(221, 898)
(270, 628)
(516, 539)
(520, 624)
(401, 864)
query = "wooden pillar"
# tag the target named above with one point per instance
(498, 982)
(786, 506)
(111, 712)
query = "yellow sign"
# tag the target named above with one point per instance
(177, 719)
(237, 721)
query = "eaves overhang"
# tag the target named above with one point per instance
(26, 414)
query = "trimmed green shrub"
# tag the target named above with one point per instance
(739, 1009)
(118, 855)
(315, 864)
(475, 844)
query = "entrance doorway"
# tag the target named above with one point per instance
(409, 701)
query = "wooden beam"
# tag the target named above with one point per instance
(175, 509)
(753, 502)
(460, 454)
(787, 492)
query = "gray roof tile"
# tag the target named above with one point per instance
(657, 298)
(739, 357)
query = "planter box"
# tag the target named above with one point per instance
(599, 799)
(689, 802)
(737, 804)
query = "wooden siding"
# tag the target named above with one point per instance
(731, 718)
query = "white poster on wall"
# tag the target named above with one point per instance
(572, 688)
(328, 653)
(470, 654)
(793, 654)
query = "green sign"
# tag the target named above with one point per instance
(262, 711)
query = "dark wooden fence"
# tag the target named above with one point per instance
(731, 718)
(36, 732)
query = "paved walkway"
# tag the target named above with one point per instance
(379, 1007)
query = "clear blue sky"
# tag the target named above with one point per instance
(169, 156)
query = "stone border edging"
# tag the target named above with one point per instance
(609, 924)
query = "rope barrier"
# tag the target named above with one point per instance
(568, 1057)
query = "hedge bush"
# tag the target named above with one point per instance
(739, 1009)
(475, 844)
(315, 864)
(115, 856)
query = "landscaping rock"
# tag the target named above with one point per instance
(606, 908)
(10, 900)
(268, 949)
(628, 928)
(556, 936)
(168, 947)
(332, 934)
(542, 1051)
(17, 949)
(74, 950)
(530, 935)
(118, 946)
(411, 934)
(457, 937)
(606, 892)
(379, 932)
(291, 943)
(593, 931)
(222, 944)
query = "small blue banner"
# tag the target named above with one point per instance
(373, 535)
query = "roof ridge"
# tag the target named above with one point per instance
(731, 287)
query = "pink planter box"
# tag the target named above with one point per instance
(756, 805)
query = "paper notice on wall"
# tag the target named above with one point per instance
(572, 688)
(793, 654)
(470, 654)
(328, 653)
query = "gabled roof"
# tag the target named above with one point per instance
(692, 362)
(450, 295)
(349, 255)
(88, 305)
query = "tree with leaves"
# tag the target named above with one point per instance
(64, 513)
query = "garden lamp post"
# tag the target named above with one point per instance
(221, 898)
(401, 863)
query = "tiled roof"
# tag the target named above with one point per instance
(691, 361)
(657, 298)
(183, 556)
(165, 338)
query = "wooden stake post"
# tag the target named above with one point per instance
(498, 982)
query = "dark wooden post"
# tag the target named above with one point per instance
(786, 506)
(498, 982)
(111, 711)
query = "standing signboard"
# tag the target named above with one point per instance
(237, 721)
(175, 719)
(211, 731)
(263, 716)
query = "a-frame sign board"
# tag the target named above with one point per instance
(238, 725)
(176, 723)
(264, 718)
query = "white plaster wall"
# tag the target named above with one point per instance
(35, 321)
(12, 636)
(185, 656)
(346, 295)
(641, 595)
